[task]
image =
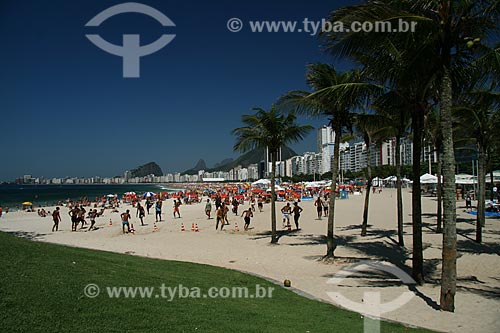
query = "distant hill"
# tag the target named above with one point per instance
(252, 157)
(201, 165)
(150, 168)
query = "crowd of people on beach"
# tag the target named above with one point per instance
(217, 201)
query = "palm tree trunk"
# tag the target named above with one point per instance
(491, 180)
(449, 266)
(399, 194)
(416, 209)
(274, 239)
(481, 184)
(439, 212)
(330, 240)
(368, 186)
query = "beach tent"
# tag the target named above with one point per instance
(390, 179)
(276, 188)
(428, 179)
(465, 179)
(262, 182)
(496, 177)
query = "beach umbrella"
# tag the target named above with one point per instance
(27, 203)
(130, 193)
(148, 194)
(110, 195)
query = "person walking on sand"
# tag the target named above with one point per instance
(125, 217)
(140, 212)
(468, 203)
(286, 210)
(260, 204)
(248, 215)
(319, 207)
(225, 210)
(177, 204)
(73, 213)
(296, 214)
(92, 215)
(208, 209)
(326, 204)
(158, 210)
(56, 216)
(220, 218)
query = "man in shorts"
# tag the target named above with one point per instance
(319, 207)
(74, 217)
(247, 216)
(296, 214)
(220, 218)
(158, 210)
(208, 209)
(286, 210)
(125, 217)
(140, 212)
(56, 216)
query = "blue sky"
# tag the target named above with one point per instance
(67, 111)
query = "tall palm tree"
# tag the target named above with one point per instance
(480, 120)
(394, 123)
(335, 95)
(368, 124)
(433, 134)
(440, 52)
(272, 130)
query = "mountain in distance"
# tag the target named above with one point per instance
(251, 157)
(150, 168)
(222, 163)
(201, 165)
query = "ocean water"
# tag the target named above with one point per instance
(13, 195)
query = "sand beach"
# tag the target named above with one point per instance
(296, 256)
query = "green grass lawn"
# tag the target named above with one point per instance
(42, 290)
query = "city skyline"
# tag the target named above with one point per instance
(69, 111)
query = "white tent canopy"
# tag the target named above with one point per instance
(262, 182)
(465, 179)
(428, 179)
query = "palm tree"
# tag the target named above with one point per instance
(394, 123)
(440, 52)
(480, 120)
(335, 95)
(433, 134)
(272, 130)
(368, 125)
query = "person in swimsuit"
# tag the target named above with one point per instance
(296, 214)
(248, 215)
(208, 209)
(177, 204)
(74, 218)
(92, 215)
(220, 218)
(140, 212)
(158, 210)
(286, 210)
(56, 216)
(319, 207)
(260, 204)
(125, 217)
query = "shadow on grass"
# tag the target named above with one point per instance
(27, 235)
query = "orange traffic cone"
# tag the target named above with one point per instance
(155, 227)
(196, 228)
(192, 226)
(236, 227)
(110, 222)
(182, 227)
